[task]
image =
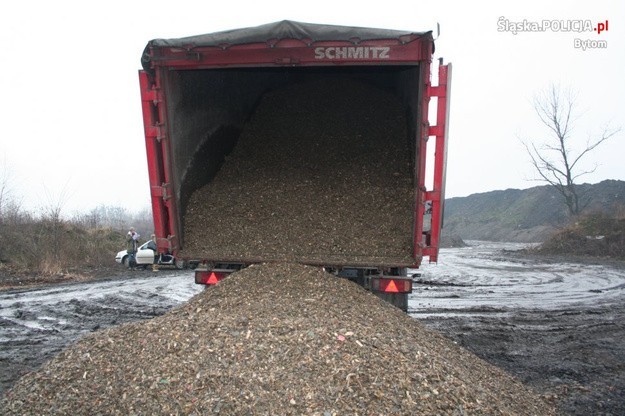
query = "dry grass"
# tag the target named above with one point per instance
(47, 248)
(595, 235)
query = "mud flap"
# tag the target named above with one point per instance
(399, 300)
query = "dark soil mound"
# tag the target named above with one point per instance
(272, 339)
(525, 216)
(452, 241)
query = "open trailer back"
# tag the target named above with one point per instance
(297, 142)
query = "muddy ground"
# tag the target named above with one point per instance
(574, 357)
(39, 321)
(556, 325)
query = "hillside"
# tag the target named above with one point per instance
(528, 215)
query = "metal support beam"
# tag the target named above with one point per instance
(440, 132)
(157, 169)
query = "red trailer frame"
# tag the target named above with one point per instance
(440, 131)
(402, 50)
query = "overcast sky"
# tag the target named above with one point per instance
(71, 115)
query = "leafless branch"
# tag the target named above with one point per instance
(589, 147)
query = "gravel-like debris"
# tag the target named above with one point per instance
(322, 173)
(272, 339)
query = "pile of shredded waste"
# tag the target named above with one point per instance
(276, 339)
(315, 177)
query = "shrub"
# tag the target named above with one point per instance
(595, 234)
(52, 245)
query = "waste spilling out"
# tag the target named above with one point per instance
(314, 178)
(272, 339)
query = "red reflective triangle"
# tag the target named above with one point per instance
(392, 287)
(212, 279)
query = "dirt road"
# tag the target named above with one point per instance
(557, 326)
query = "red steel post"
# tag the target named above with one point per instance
(154, 152)
(421, 158)
(440, 132)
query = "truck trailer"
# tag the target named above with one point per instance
(298, 142)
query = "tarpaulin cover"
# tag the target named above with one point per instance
(285, 29)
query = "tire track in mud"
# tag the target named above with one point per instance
(481, 277)
(556, 325)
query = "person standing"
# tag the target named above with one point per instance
(132, 243)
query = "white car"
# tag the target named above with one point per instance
(146, 257)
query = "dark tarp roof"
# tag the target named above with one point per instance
(285, 29)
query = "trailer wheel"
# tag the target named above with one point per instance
(125, 261)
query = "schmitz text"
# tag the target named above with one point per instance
(352, 52)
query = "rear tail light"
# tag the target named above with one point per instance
(209, 277)
(391, 285)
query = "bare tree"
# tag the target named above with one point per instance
(554, 159)
(53, 233)
(5, 190)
